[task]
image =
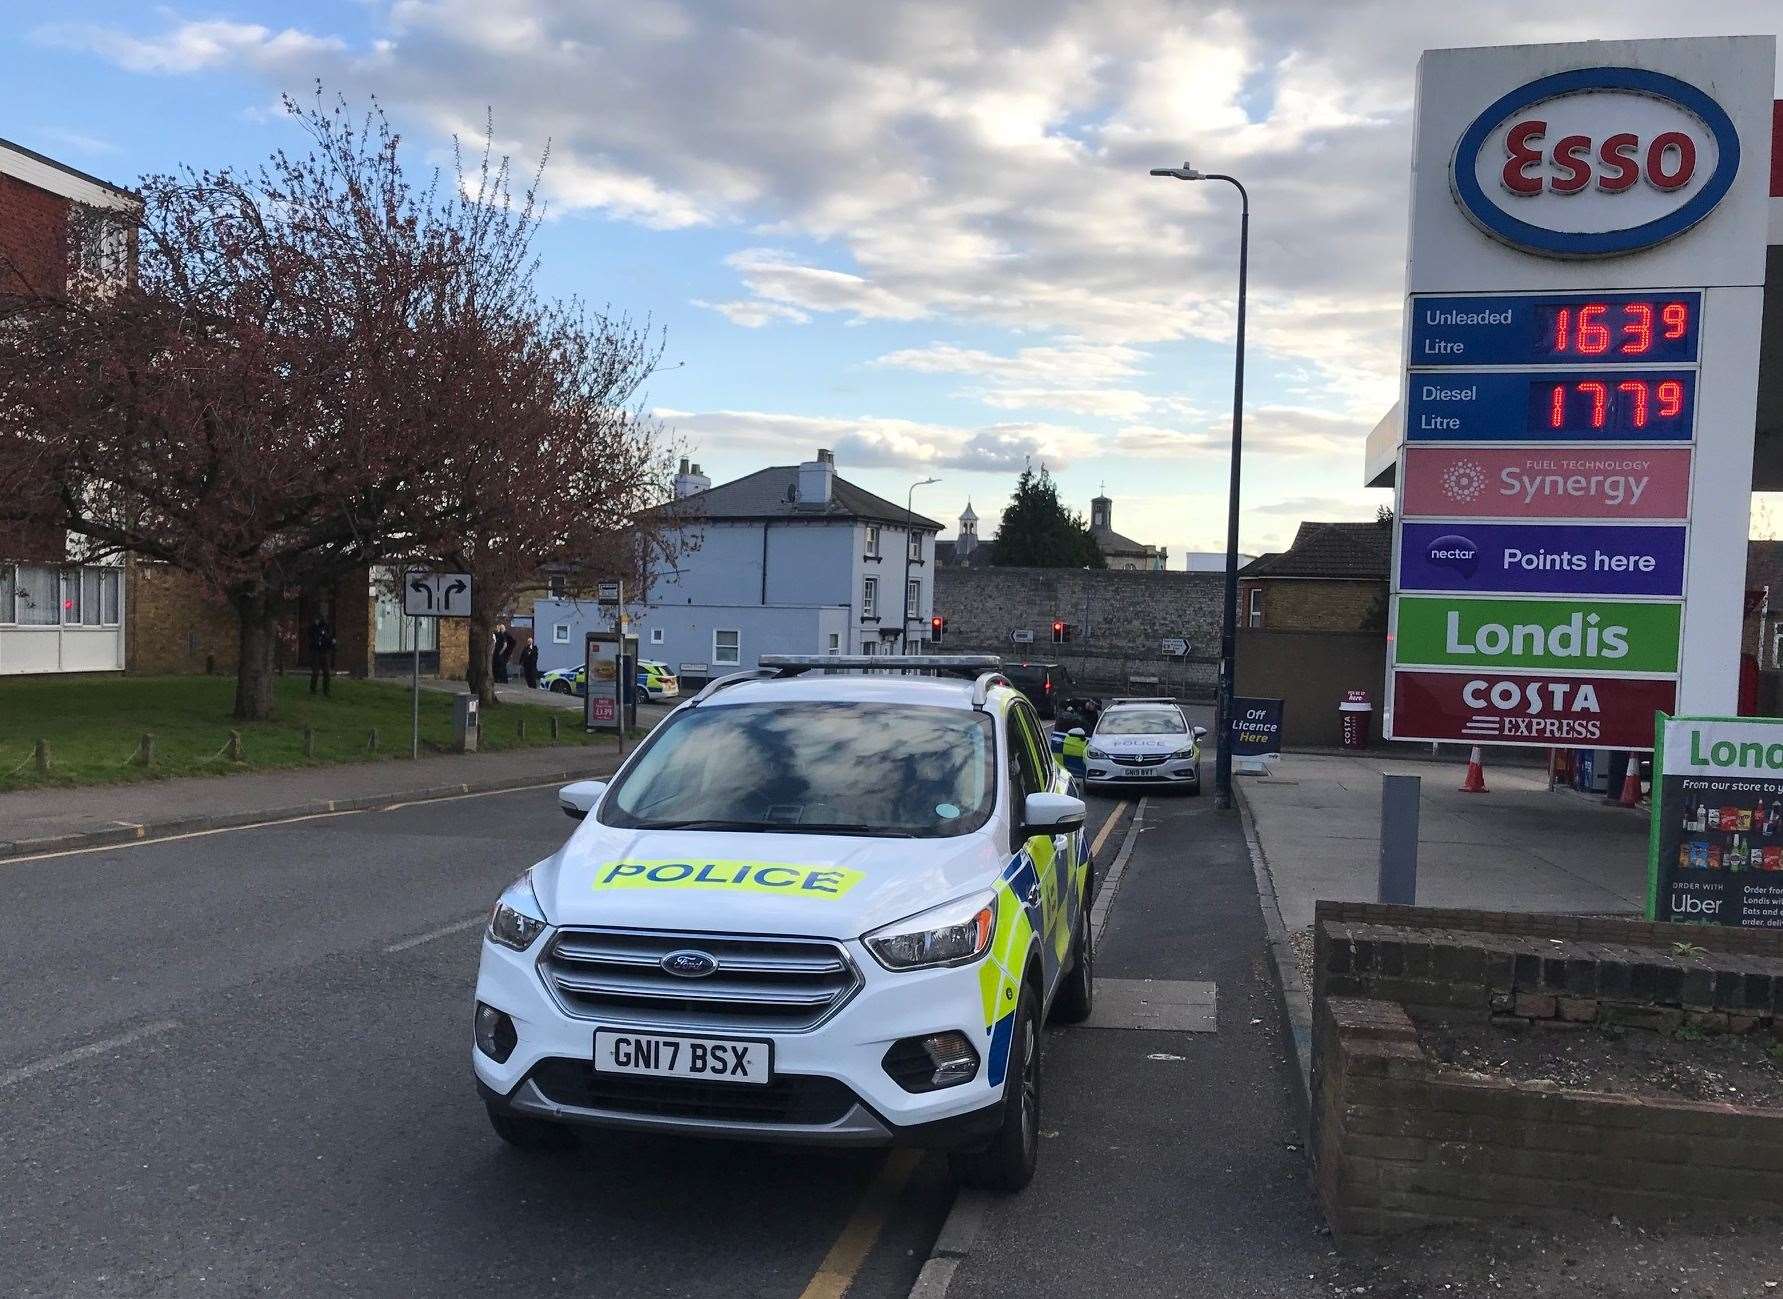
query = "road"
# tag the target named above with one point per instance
(237, 1063)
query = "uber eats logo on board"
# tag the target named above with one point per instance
(1605, 634)
(785, 878)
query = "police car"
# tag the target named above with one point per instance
(813, 907)
(655, 681)
(1146, 741)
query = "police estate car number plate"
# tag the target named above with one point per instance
(705, 1058)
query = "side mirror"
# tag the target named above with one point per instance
(1200, 732)
(1077, 731)
(578, 799)
(1052, 814)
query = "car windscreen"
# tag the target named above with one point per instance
(1142, 721)
(1025, 676)
(812, 768)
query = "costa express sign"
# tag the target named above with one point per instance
(1493, 708)
(1595, 162)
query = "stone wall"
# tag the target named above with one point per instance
(1119, 621)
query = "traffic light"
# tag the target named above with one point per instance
(937, 625)
(1070, 631)
(1058, 631)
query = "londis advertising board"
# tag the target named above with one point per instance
(1715, 844)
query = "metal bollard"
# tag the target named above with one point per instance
(1398, 879)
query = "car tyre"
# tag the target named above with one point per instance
(560, 687)
(1193, 788)
(1076, 996)
(1006, 1164)
(532, 1135)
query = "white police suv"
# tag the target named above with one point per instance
(1146, 741)
(813, 906)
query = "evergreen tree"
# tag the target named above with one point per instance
(1039, 532)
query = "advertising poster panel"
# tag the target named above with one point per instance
(1716, 841)
(1256, 727)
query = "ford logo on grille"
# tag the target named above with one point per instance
(689, 964)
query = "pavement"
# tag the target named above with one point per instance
(57, 819)
(1519, 847)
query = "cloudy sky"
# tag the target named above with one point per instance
(921, 234)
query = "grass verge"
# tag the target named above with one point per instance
(93, 726)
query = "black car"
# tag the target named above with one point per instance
(1050, 689)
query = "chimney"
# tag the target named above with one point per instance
(690, 480)
(817, 479)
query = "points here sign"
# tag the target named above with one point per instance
(1585, 275)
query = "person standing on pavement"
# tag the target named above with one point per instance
(321, 654)
(529, 663)
(502, 650)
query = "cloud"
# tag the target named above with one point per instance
(1064, 361)
(753, 313)
(194, 46)
(877, 442)
(782, 282)
(1269, 430)
(1121, 403)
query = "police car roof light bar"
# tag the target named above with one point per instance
(967, 665)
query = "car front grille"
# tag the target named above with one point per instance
(1146, 761)
(779, 984)
(790, 1098)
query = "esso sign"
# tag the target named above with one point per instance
(1595, 162)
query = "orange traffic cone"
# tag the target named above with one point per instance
(1631, 784)
(1476, 774)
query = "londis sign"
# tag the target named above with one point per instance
(1595, 162)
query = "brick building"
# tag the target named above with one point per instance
(57, 614)
(1313, 625)
(1332, 578)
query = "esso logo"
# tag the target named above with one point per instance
(1595, 162)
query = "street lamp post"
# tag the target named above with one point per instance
(910, 532)
(1222, 777)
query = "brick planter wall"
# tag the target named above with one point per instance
(1400, 1142)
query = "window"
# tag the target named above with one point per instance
(870, 598)
(36, 596)
(1026, 774)
(1256, 607)
(873, 540)
(71, 596)
(814, 768)
(835, 646)
(916, 547)
(560, 633)
(656, 635)
(727, 647)
(869, 647)
(6, 613)
(109, 590)
(913, 599)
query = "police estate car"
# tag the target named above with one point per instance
(812, 907)
(1144, 740)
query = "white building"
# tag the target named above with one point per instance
(787, 560)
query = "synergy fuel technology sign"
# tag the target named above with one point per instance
(1579, 212)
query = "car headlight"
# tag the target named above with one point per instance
(1094, 752)
(953, 934)
(1189, 752)
(517, 919)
